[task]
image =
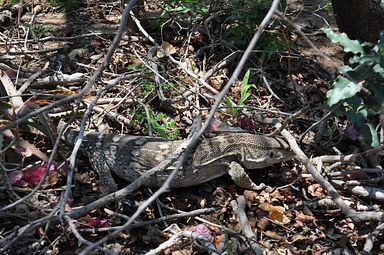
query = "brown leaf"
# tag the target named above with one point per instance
(67, 208)
(42, 102)
(276, 213)
(53, 178)
(263, 223)
(40, 231)
(85, 219)
(245, 122)
(168, 48)
(264, 197)
(285, 194)
(182, 252)
(274, 235)
(300, 216)
(298, 237)
(250, 197)
(316, 190)
(30, 149)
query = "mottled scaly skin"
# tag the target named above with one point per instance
(129, 156)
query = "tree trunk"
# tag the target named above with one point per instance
(360, 19)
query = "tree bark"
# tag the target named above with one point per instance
(360, 19)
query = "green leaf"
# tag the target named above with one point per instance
(342, 89)
(228, 101)
(135, 66)
(349, 45)
(378, 69)
(381, 42)
(245, 86)
(369, 133)
(353, 103)
(344, 69)
(4, 106)
(357, 118)
(245, 79)
(229, 104)
(376, 96)
(362, 72)
(382, 60)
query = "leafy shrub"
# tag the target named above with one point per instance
(358, 92)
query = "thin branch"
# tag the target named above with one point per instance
(349, 212)
(239, 209)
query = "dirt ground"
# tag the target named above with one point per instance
(312, 16)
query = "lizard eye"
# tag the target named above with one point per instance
(271, 154)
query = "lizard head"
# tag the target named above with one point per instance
(269, 151)
(251, 150)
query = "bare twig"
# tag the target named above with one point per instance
(239, 209)
(82, 239)
(31, 79)
(155, 221)
(349, 212)
(6, 183)
(371, 239)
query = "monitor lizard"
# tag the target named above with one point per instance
(129, 156)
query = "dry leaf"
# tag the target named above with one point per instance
(167, 47)
(264, 197)
(97, 222)
(53, 177)
(85, 219)
(29, 149)
(298, 237)
(276, 213)
(42, 102)
(316, 190)
(263, 223)
(11, 90)
(301, 217)
(182, 252)
(274, 235)
(250, 197)
(30, 176)
(67, 208)
(40, 231)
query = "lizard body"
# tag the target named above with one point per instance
(130, 156)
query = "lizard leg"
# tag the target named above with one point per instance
(107, 183)
(99, 164)
(241, 178)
